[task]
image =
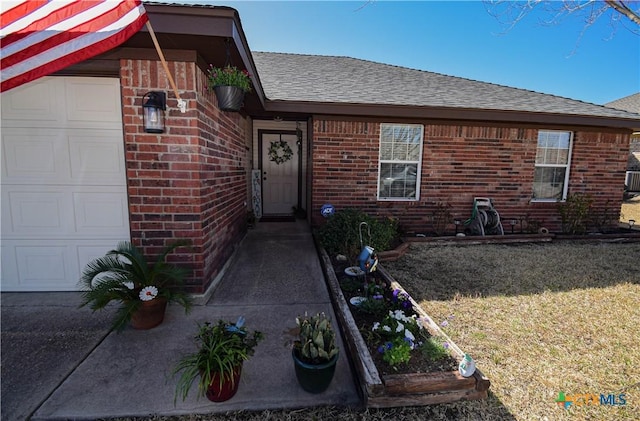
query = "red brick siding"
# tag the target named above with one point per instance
(460, 162)
(189, 182)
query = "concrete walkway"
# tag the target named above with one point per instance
(60, 362)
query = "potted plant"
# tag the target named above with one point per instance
(222, 349)
(315, 353)
(230, 85)
(142, 289)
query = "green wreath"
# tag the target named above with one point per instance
(280, 152)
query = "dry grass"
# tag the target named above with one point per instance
(630, 210)
(538, 319)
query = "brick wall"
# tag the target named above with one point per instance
(460, 162)
(189, 182)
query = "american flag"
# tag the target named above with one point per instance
(40, 37)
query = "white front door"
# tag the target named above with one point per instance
(64, 194)
(279, 166)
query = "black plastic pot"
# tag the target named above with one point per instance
(314, 378)
(230, 98)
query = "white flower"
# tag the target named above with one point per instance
(409, 335)
(148, 293)
(129, 284)
(399, 328)
(376, 326)
(386, 328)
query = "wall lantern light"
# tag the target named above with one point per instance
(153, 111)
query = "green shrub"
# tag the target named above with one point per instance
(341, 235)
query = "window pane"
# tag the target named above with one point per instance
(386, 151)
(398, 181)
(549, 182)
(553, 148)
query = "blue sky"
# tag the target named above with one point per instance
(457, 38)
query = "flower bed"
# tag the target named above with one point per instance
(386, 378)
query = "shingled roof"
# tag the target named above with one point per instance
(345, 80)
(628, 103)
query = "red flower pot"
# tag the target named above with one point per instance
(150, 314)
(220, 393)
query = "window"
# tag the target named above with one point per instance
(400, 161)
(553, 157)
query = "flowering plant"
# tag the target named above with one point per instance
(228, 76)
(124, 275)
(400, 331)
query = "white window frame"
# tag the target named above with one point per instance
(567, 166)
(418, 164)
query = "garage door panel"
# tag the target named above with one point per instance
(103, 105)
(35, 103)
(101, 213)
(43, 265)
(51, 266)
(36, 212)
(98, 160)
(35, 156)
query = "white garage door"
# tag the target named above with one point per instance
(64, 198)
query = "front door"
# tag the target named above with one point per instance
(279, 165)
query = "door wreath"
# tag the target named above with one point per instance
(280, 152)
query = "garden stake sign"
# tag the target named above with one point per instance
(280, 152)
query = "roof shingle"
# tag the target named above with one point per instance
(313, 78)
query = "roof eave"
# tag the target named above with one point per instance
(204, 23)
(446, 113)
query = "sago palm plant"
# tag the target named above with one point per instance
(124, 275)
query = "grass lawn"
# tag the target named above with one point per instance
(539, 319)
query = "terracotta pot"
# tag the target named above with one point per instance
(229, 387)
(150, 314)
(230, 98)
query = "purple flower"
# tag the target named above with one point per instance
(377, 297)
(381, 349)
(389, 345)
(444, 323)
(395, 294)
(446, 344)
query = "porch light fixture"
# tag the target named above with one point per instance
(631, 223)
(153, 111)
(513, 223)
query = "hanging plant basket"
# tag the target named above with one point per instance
(230, 98)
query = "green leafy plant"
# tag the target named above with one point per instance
(396, 352)
(316, 342)
(373, 306)
(123, 275)
(222, 347)
(228, 76)
(341, 234)
(574, 213)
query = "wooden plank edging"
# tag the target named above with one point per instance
(413, 389)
